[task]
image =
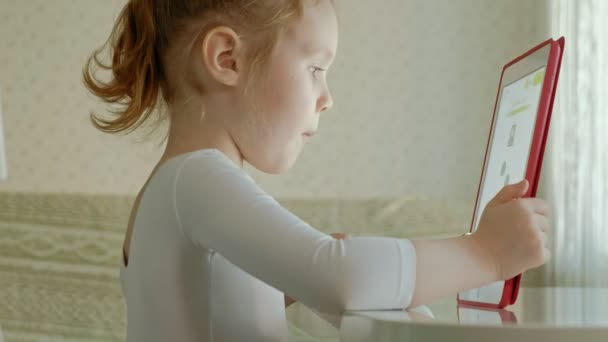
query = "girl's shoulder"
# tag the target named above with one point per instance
(212, 155)
(204, 160)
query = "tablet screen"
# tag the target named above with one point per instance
(512, 136)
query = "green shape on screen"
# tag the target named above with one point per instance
(518, 110)
(538, 78)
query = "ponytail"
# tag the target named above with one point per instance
(137, 73)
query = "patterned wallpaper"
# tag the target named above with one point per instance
(414, 84)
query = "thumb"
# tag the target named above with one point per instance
(510, 192)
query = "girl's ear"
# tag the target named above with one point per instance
(221, 52)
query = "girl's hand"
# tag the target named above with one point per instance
(513, 231)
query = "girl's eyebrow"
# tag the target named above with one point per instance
(325, 52)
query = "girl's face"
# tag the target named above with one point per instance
(293, 94)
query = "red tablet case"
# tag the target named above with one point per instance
(537, 149)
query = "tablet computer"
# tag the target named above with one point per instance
(516, 145)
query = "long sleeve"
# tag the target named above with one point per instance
(220, 208)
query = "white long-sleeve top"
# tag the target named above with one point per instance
(212, 254)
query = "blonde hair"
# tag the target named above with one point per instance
(147, 30)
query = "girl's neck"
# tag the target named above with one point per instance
(184, 138)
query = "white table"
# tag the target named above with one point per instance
(540, 314)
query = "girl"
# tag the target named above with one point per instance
(208, 255)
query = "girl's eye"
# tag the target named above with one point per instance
(315, 69)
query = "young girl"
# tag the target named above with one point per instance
(208, 255)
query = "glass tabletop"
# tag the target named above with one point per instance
(557, 313)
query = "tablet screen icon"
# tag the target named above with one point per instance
(512, 135)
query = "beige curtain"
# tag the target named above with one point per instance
(577, 151)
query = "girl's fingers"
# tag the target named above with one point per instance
(543, 223)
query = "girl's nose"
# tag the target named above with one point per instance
(325, 102)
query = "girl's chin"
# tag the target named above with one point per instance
(286, 161)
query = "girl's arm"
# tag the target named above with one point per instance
(441, 266)
(219, 207)
(447, 266)
(289, 300)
